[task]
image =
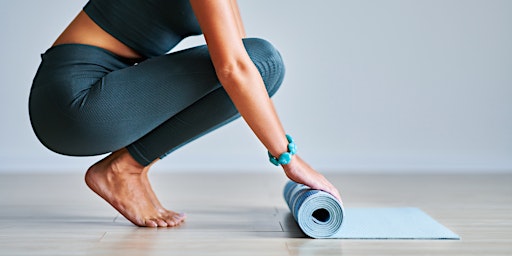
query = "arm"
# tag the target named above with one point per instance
(223, 30)
(236, 72)
(238, 17)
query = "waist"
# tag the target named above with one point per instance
(83, 30)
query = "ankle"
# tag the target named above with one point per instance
(122, 162)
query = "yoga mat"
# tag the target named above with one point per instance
(320, 215)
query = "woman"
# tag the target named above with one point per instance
(107, 85)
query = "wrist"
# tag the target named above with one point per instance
(287, 168)
(286, 157)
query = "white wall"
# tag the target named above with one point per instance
(392, 85)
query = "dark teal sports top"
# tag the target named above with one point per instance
(150, 27)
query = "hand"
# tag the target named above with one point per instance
(300, 172)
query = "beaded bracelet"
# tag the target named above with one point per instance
(286, 157)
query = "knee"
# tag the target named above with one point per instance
(269, 62)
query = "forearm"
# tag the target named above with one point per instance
(245, 87)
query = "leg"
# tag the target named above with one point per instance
(84, 101)
(118, 179)
(206, 114)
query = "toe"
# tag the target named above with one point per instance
(150, 223)
(161, 223)
(179, 218)
(171, 222)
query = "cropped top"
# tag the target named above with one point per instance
(150, 27)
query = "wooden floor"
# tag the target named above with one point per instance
(244, 214)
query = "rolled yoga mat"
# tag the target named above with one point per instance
(320, 215)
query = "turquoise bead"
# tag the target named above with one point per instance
(292, 148)
(272, 159)
(285, 158)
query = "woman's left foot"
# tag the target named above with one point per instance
(154, 199)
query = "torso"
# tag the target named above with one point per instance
(83, 30)
(133, 29)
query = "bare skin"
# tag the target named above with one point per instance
(83, 30)
(121, 181)
(300, 172)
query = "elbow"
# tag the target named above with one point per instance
(229, 70)
(265, 63)
(236, 73)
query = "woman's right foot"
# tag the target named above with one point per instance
(119, 180)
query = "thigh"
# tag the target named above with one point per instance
(86, 101)
(147, 94)
(94, 108)
(156, 89)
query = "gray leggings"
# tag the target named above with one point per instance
(87, 101)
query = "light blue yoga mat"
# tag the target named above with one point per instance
(320, 215)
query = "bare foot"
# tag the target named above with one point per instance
(177, 217)
(300, 172)
(120, 181)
